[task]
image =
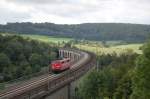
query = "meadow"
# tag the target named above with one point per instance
(93, 46)
(48, 39)
(117, 49)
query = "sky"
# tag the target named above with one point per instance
(75, 11)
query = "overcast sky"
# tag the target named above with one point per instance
(75, 11)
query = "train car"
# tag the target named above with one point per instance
(60, 65)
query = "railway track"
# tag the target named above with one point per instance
(25, 86)
(50, 82)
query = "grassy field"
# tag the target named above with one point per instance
(43, 38)
(118, 49)
(134, 47)
(96, 47)
(48, 38)
(93, 46)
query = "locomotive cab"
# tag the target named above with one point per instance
(60, 65)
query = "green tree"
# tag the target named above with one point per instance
(28, 70)
(141, 77)
(90, 86)
(20, 57)
(124, 88)
(4, 61)
(35, 61)
(14, 49)
(7, 73)
(113, 81)
(109, 83)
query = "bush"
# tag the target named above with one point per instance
(20, 57)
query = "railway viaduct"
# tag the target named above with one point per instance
(54, 86)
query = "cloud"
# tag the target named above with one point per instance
(11, 13)
(40, 2)
(75, 11)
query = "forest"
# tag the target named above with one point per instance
(21, 57)
(125, 76)
(88, 31)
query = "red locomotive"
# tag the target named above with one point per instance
(60, 65)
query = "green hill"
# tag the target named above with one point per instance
(89, 31)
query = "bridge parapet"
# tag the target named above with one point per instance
(70, 53)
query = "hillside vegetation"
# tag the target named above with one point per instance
(111, 80)
(90, 31)
(21, 57)
(125, 76)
